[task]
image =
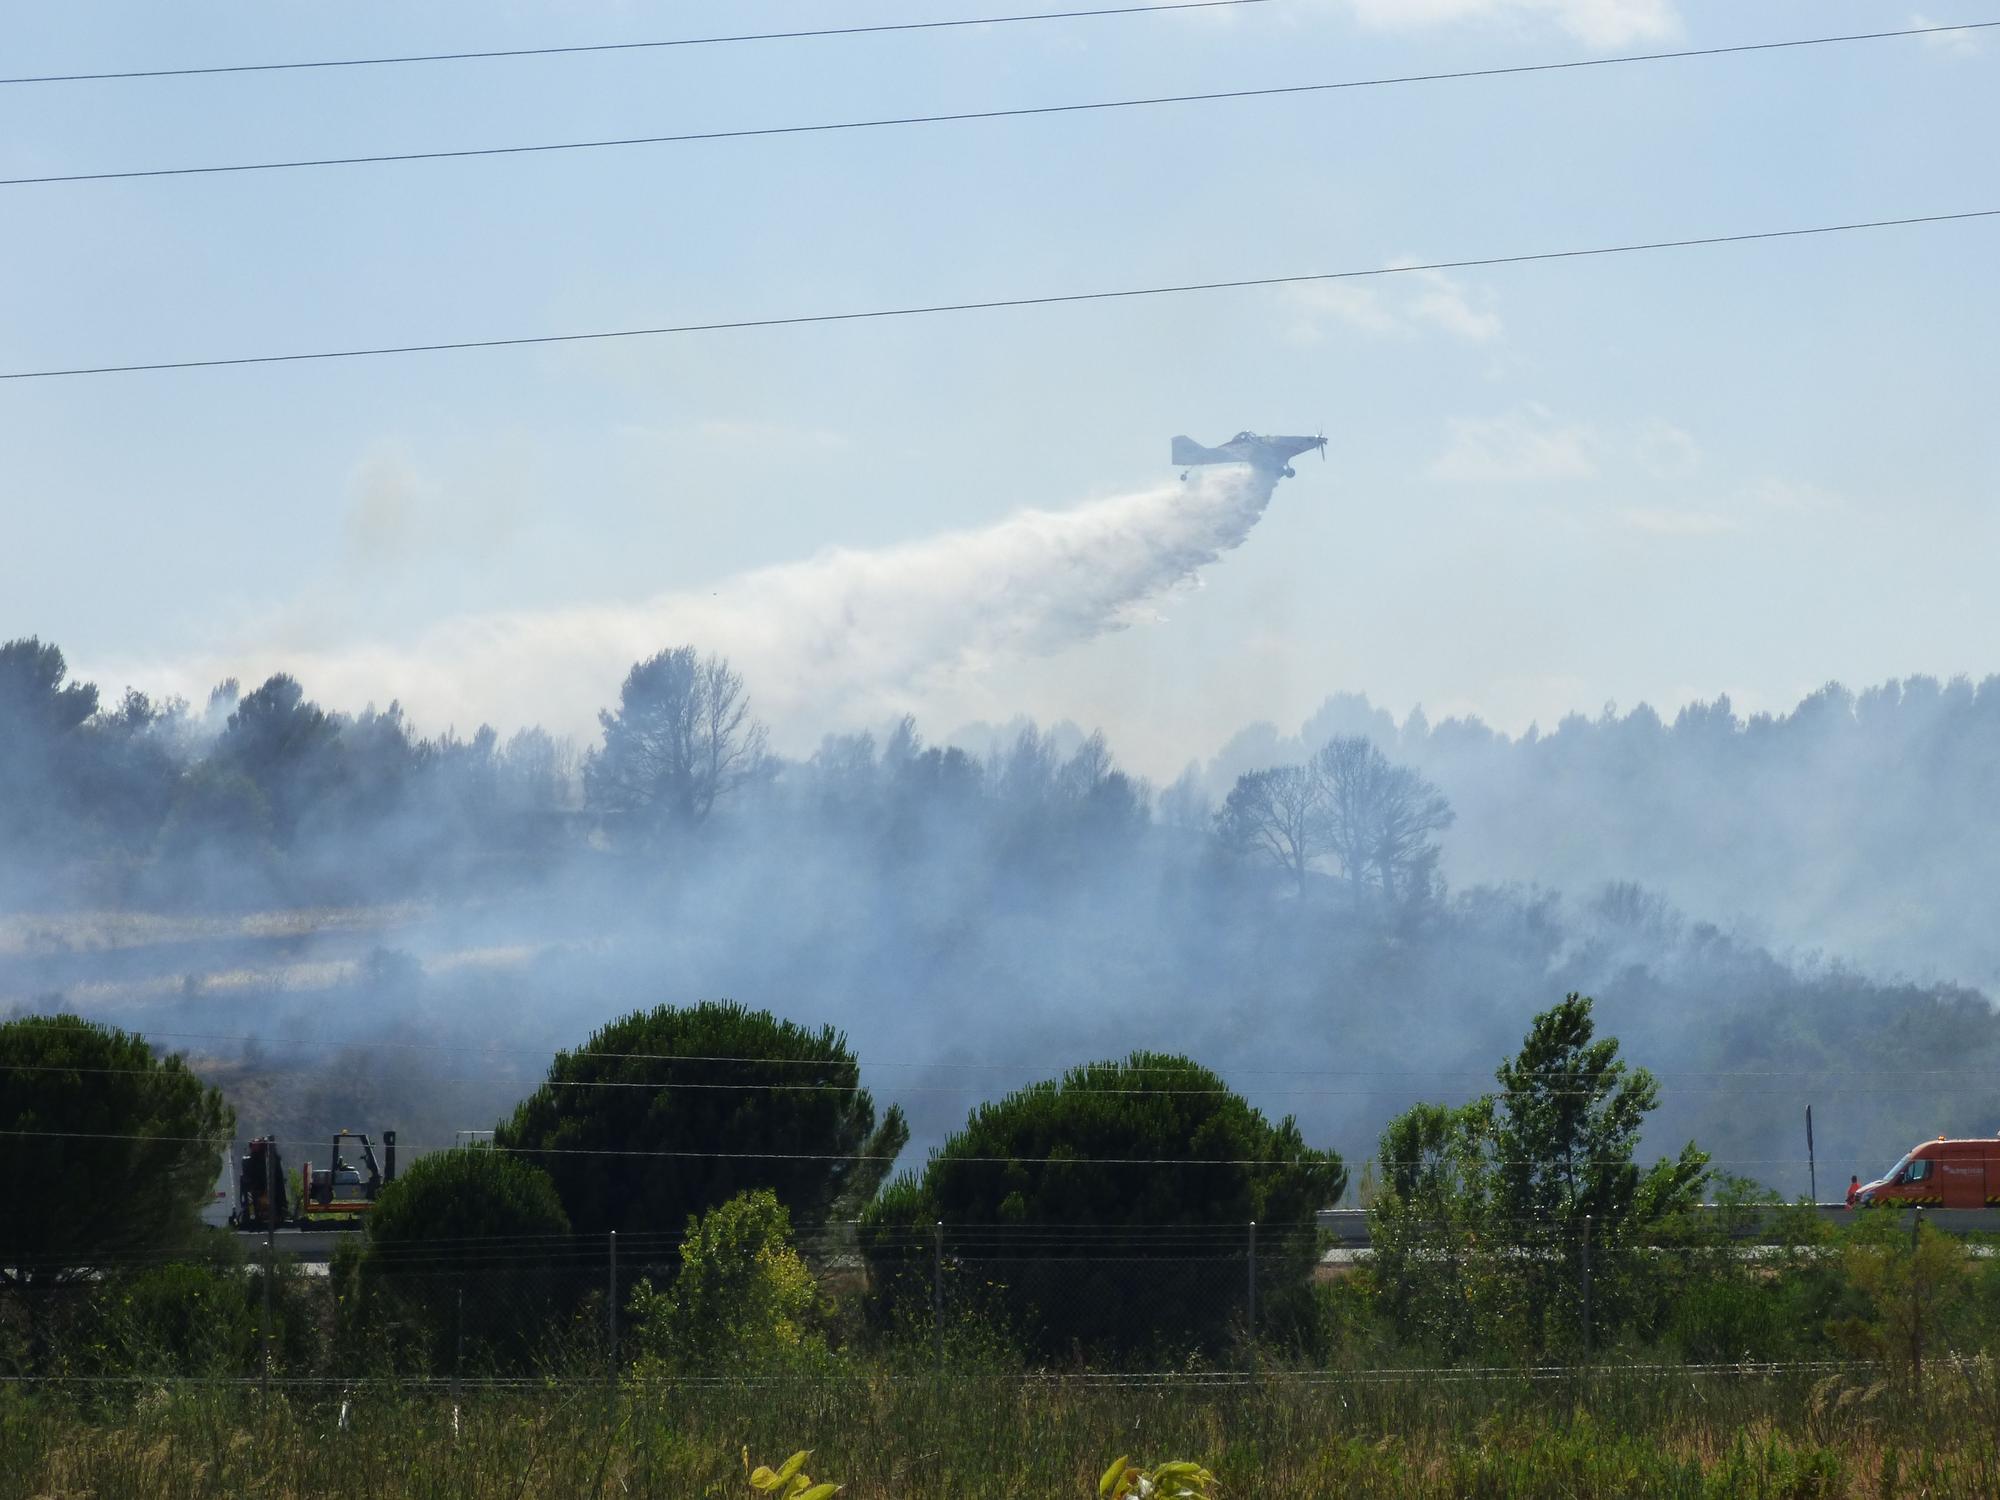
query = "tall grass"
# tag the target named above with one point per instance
(1614, 1432)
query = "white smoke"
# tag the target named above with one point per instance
(840, 639)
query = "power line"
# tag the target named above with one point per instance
(1311, 1160)
(959, 117)
(1055, 1070)
(1978, 1081)
(995, 304)
(685, 41)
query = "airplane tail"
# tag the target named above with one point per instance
(1188, 451)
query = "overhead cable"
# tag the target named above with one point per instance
(1977, 1082)
(962, 116)
(953, 1064)
(1310, 1159)
(641, 46)
(992, 304)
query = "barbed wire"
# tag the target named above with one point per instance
(1744, 1369)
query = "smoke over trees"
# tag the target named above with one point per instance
(1347, 805)
(1275, 815)
(1377, 907)
(681, 738)
(1857, 823)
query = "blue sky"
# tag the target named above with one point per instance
(1655, 478)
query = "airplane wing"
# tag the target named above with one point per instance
(1188, 451)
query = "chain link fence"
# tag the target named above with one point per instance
(1201, 1301)
(573, 1306)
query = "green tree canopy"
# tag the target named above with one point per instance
(666, 1113)
(1154, 1157)
(1432, 1219)
(1484, 1211)
(122, 1147)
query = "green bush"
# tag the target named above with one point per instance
(1910, 1297)
(470, 1243)
(180, 1319)
(1488, 1212)
(744, 1298)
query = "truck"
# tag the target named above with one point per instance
(336, 1195)
(1940, 1174)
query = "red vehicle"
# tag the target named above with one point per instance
(1941, 1174)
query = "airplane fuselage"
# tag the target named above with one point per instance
(1271, 455)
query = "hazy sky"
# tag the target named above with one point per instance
(1656, 477)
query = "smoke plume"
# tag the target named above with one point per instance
(842, 638)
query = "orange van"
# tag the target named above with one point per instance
(1941, 1174)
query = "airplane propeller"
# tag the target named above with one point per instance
(1322, 445)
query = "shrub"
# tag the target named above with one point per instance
(474, 1224)
(743, 1296)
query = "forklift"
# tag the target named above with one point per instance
(339, 1195)
(335, 1196)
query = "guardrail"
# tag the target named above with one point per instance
(1348, 1227)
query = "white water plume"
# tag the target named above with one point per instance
(842, 638)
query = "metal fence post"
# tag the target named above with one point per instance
(937, 1288)
(270, 1262)
(611, 1305)
(1916, 1304)
(1812, 1165)
(458, 1345)
(1586, 1286)
(1250, 1260)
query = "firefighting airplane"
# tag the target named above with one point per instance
(1272, 455)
